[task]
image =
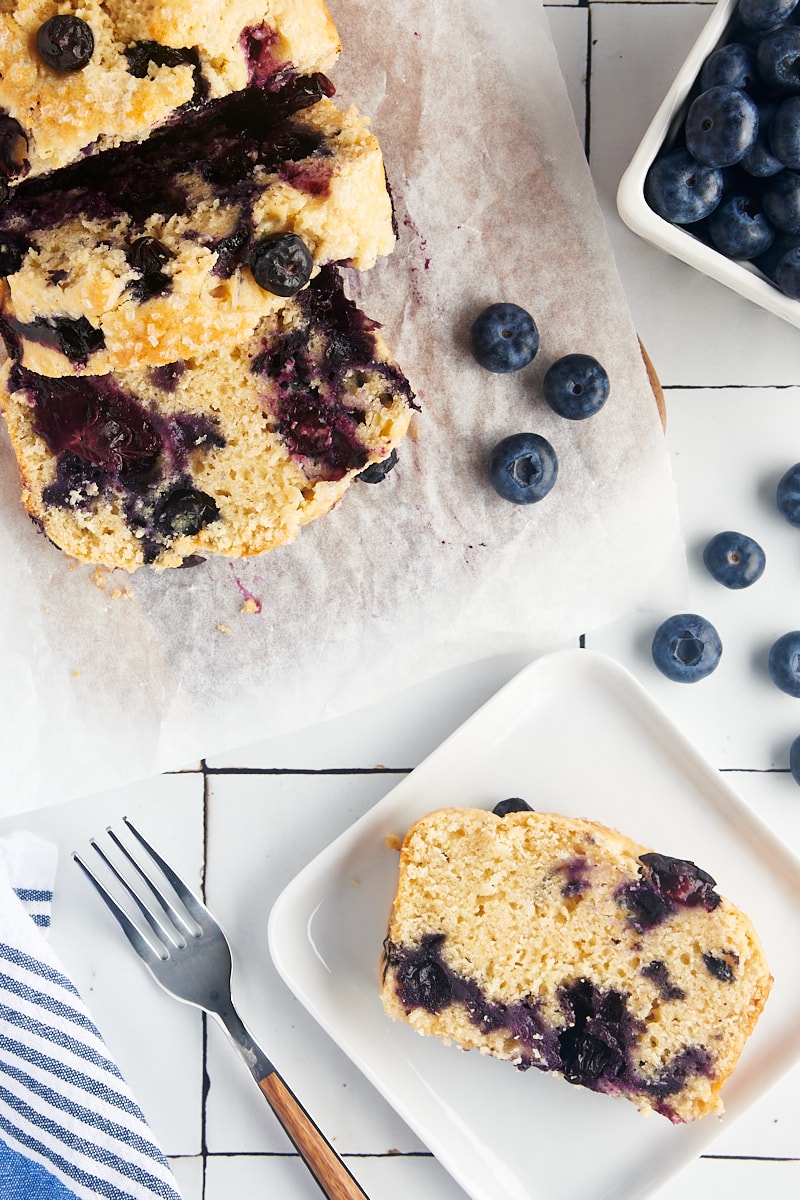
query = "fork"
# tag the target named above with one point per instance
(188, 954)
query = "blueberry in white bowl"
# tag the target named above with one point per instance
(523, 468)
(504, 338)
(734, 559)
(576, 386)
(686, 648)
(721, 126)
(733, 64)
(681, 190)
(762, 15)
(739, 228)
(784, 663)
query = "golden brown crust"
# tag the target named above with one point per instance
(62, 114)
(80, 267)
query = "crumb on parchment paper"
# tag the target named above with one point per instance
(393, 841)
(223, 628)
(251, 605)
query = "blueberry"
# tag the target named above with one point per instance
(686, 648)
(765, 14)
(680, 880)
(778, 57)
(734, 560)
(681, 190)
(787, 273)
(733, 64)
(759, 161)
(504, 338)
(184, 512)
(281, 263)
(576, 386)
(721, 126)
(523, 468)
(376, 472)
(784, 663)
(784, 132)
(780, 199)
(788, 495)
(65, 43)
(739, 229)
(513, 804)
(12, 252)
(720, 968)
(794, 759)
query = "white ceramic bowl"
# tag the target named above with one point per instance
(741, 277)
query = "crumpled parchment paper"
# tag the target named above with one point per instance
(101, 685)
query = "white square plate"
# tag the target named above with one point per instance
(637, 214)
(572, 733)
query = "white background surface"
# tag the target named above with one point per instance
(244, 826)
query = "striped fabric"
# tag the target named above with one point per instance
(69, 1127)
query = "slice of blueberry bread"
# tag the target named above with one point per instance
(230, 454)
(81, 77)
(560, 944)
(142, 256)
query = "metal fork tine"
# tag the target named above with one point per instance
(175, 916)
(132, 933)
(163, 934)
(193, 904)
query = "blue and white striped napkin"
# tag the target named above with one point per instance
(69, 1126)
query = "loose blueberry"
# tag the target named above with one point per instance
(784, 663)
(681, 190)
(733, 64)
(523, 468)
(780, 200)
(721, 126)
(504, 338)
(788, 495)
(512, 804)
(794, 759)
(734, 559)
(576, 386)
(739, 229)
(686, 648)
(778, 57)
(65, 43)
(765, 14)
(281, 263)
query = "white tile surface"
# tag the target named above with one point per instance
(246, 823)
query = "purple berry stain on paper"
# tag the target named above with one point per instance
(251, 603)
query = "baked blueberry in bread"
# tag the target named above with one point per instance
(85, 76)
(154, 252)
(228, 454)
(560, 944)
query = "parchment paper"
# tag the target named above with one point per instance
(430, 569)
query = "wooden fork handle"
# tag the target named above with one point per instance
(319, 1156)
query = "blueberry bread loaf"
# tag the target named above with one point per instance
(152, 253)
(560, 944)
(229, 454)
(85, 75)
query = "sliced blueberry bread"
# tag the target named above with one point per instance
(229, 454)
(83, 76)
(156, 252)
(560, 944)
